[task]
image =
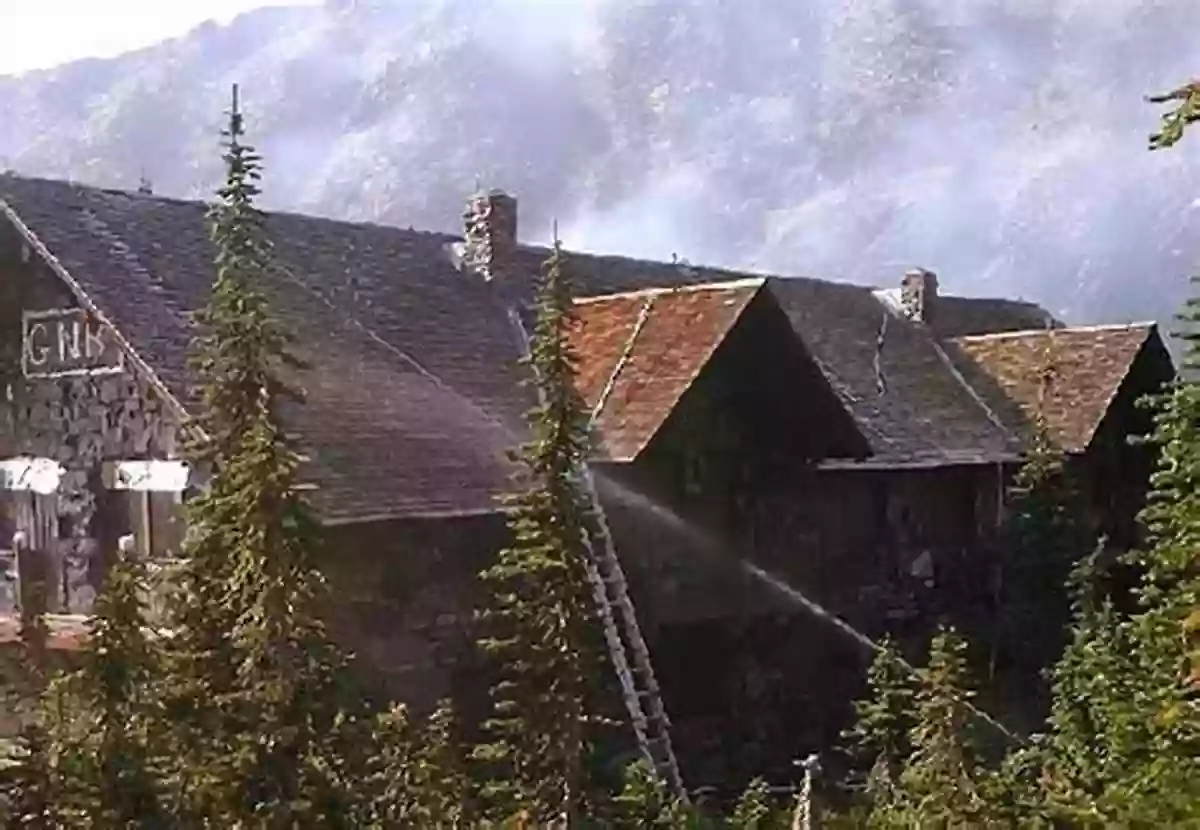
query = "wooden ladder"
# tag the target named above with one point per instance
(639, 686)
(614, 606)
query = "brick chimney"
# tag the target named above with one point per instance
(918, 294)
(489, 232)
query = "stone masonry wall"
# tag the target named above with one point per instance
(81, 422)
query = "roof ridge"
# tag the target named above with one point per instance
(716, 275)
(972, 392)
(655, 291)
(626, 354)
(205, 203)
(998, 335)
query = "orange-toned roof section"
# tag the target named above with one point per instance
(1084, 367)
(639, 352)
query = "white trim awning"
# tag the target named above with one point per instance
(39, 475)
(153, 476)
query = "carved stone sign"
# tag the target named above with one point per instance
(65, 342)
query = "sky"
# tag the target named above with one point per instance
(36, 34)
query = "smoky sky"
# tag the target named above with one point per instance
(1001, 143)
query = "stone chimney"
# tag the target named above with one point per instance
(918, 294)
(489, 232)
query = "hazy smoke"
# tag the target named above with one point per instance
(998, 142)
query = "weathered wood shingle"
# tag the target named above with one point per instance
(641, 351)
(1069, 376)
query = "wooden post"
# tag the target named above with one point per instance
(31, 568)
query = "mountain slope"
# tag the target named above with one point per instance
(1000, 142)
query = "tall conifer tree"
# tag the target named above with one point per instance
(541, 619)
(1043, 541)
(256, 676)
(1124, 742)
(940, 783)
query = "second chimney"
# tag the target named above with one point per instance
(489, 232)
(918, 294)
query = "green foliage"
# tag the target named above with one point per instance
(645, 801)
(540, 621)
(1042, 541)
(939, 783)
(114, 698)
(755, 810)
(29, 786)
(1121, 747)
(879, 741)
(418, 777)
(1185, 111)
(1123, 741)
(253, 681)
(1124, 738)
(919, 740)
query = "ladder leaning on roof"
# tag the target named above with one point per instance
(639, 686)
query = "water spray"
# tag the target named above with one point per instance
(670, 517)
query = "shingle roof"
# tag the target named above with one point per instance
(415, 394)
(639, 352)
(963, 317)
(926, 413)
(892, 375)
(1083, 369)
(412, 405)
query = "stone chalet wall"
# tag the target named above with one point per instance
(80, 421)
(404, 595)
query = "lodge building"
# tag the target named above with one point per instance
(754, 434)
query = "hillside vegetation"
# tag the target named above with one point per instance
(997, 142)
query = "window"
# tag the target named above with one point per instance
(149, 506)
(158, 524)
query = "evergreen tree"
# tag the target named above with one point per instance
(914, 743)
(1092, 687)
(541, 625)
(754, 810)
(939, 785)
(1123, 746)
(418, 778)
(255, 677)
(205, 611)
(115, 691)
(31, 791)
(879, 740)
(1042, 543)
(645, 802)
(1123, 742)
